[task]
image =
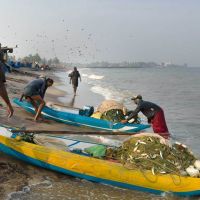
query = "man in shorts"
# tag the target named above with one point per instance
(35, 91)
(74, 79)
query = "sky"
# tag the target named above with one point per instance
(103, 30)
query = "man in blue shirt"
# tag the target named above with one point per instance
(35, 91)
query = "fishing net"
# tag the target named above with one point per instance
(116, 115)
(43, 141)
(148, 153)
(50, 142)
(115, 112)
(113, 115)
(109, 105)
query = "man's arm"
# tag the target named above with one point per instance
(133, 114)
(79, 76)
(70, 78)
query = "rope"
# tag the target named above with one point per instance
(173, 179)
(147, 178)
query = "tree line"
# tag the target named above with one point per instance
(37, 58)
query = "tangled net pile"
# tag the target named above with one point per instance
(148, 153)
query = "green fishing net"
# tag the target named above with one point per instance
(113, 115)
(147, 153)
(116, 115)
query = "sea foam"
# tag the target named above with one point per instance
(96, 77)
(111, 93)
(93, 76)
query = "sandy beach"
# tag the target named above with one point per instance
(144, 55)
(14, 174)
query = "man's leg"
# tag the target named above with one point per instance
(4, 95)
(38, 98)
(159, 125)
(21, 98)
(75, 88)
(29, 99)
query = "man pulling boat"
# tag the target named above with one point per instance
(35, 91)
(154, 114)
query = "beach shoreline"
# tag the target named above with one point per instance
(59, 93)
(85, 96)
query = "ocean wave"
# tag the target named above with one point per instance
(84, 75)
(96, 77)
(102, 91)
(112, 93)
(68, 71)
(93, 76)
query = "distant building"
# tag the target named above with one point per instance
(170, 64)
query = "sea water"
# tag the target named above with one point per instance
(176, 90)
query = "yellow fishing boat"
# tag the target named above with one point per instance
(98, 170)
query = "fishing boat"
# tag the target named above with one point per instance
(72, 118)
(96, 170)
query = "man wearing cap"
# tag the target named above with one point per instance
(35, 91)
(154, 114)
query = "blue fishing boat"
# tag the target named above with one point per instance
(71, 118)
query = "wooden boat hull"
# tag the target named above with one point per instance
(79, 120)
(98, 170)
